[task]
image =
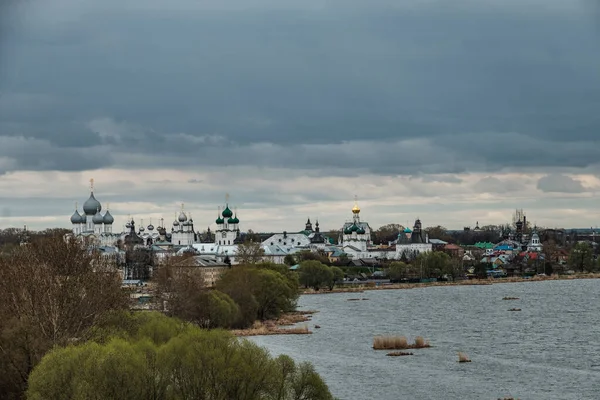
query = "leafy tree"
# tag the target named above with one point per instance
(289, 259)
(581, 258)
(453, 268)
(397, 270)
(184, 362)
(315, 274)
(307, 255)
(261, 292)
(438, 232)
(337, 276)
(51, 291)
(386, 233)
(433, 263)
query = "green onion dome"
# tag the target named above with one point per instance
(219, 221)
(361, 231)
(231, 221)
(227, 213)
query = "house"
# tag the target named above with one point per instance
(208, 267)
(453, 251)
(437, 244)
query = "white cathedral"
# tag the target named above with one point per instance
(92, 223)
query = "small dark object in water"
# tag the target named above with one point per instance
(399, 353)
(515, 309)
(317, 326)
(353, 299)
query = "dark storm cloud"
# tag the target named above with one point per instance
(463, 87)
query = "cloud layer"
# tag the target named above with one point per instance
(499, 97)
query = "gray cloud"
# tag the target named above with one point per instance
(560, 184)
(491, 184)
(412, 88)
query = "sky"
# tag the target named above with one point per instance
(451, 112)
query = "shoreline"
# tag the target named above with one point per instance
(274, 326)
(362, 287)
(277, 326)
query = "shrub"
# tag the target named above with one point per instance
(183, 362)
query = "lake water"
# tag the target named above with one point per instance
(549, 350)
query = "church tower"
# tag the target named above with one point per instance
(227, 226)
(356, 233)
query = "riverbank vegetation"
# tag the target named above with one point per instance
(242, 295)
(151, 356)
(64, 315)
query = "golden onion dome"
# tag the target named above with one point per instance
(355, 209)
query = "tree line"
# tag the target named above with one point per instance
(66, 331)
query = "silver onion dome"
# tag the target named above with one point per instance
(91, 205)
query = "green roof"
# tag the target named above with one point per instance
(227, 213)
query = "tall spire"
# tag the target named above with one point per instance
(92, 184)
(227, 198)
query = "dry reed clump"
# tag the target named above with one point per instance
(510, 298)
(463, 358)
(294, 318)
(398, 343)
(269, 328)
(399, 353)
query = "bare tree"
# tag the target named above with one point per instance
(249, 252)
(51, 291)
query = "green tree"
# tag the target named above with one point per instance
(261, 292)
(337, 276)
(581, 258)
(432, 263)
(397, 270)
(453, 268)
(386, 233)
(307, 255)
(314, 274)
(438, 232)
(188, 363)
(289, 259)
